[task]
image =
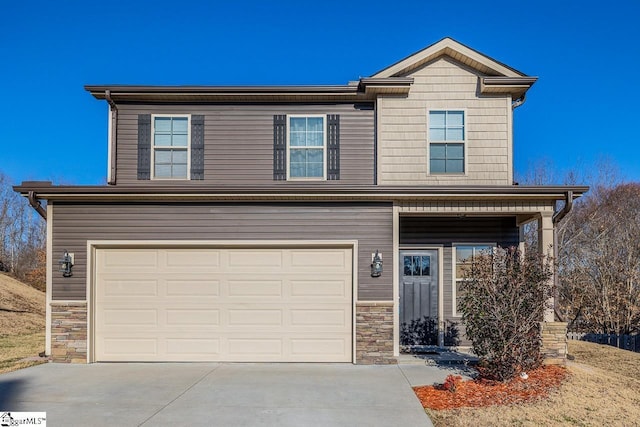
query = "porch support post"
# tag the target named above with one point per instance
(521, 238)
(545, 246)
(396, 280)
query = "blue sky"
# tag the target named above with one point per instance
(583, 108)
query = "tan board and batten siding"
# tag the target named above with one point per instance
(444, 84)
(241, 305)
(239, 141)
(370, 224)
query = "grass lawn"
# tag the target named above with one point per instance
(603, 389)
(21, 323)
(14, 348)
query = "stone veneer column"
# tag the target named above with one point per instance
(554, 343)
(69, 332)
(374, 333)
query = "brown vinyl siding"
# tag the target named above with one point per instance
(448, 231)
(238, 141)
(369, 223)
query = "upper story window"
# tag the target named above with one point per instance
(446, 142)
(307, 143)
(171, 140)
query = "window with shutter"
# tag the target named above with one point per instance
(306, 147)
(170, 147)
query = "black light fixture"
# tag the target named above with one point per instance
(65, 263)
(376, 264)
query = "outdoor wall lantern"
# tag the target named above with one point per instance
(376, 264)
(65, 263)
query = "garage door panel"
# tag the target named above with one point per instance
(125, 288)
(254, 318)
(194, 348)
(233, 310)
(250, 260)
(130, 318)
(257, 287)
(314, 347)
(188, 259)
(131, 346)
(309, 259)
(324, 288)
(196, 288)
(320, 318)
(254, 348)
(192, 317)
(130, 259)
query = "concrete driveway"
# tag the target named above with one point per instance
(217, 394)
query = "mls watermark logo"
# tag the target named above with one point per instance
(10, 419)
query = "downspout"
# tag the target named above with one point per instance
(518, 102)
(35, 204)
(112, 143)
(557, 217)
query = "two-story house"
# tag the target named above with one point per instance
(288, 223)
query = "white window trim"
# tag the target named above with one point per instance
(464, 143)
(153, 147)
(324, 148)
(454, 265)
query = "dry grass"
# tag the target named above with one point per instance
(604, 389)
(22, 324)
(21, 307)
(15, 348)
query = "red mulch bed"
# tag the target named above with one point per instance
(482, 392)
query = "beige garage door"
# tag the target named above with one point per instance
(254, 305)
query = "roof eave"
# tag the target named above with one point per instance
(45, 190)
(389, 85)
(131, 93)
(516, 86)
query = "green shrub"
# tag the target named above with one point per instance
(502, 300)
(425, 332)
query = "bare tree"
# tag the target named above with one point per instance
(598, 254)
(599, 261)
(22, 233)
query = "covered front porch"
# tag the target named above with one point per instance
(434, 239)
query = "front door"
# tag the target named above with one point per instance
(419, 297)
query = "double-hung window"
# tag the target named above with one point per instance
(170, 147)
(446, 142)
(307, 141)
(464, 256)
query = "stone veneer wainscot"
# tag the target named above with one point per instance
(554, 343)
(69, 332)
(374, 333)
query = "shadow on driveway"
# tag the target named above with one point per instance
(10, 392)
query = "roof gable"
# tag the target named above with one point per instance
(456, 50)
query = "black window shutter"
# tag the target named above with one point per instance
(197, 147)
(144, 146)
(279, 147)
(333, 147)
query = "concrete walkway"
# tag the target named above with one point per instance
(211, 394)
